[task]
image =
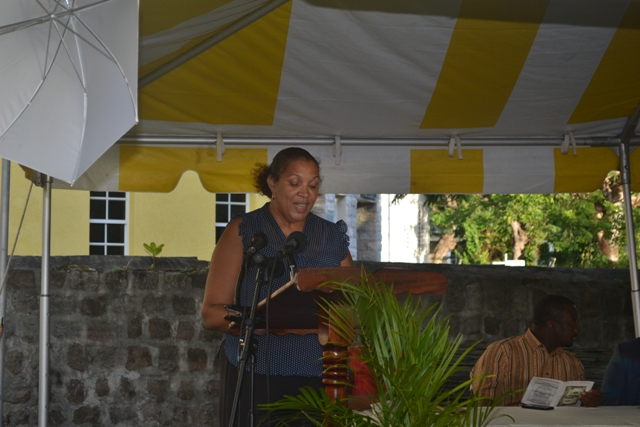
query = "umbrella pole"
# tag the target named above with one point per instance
(43, 378)
(4, 256)
(631, 237)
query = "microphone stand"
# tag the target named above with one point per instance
(249, 346)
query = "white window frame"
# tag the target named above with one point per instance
(229, 203)
(107, 221)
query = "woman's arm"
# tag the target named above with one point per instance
(347, 261)
(226, 263)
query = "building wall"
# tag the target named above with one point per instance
(183, 220)
(405, 229)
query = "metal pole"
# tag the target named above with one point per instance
(631, 238)
(4, 259)
(43, 378)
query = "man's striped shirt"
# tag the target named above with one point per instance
(516, 360)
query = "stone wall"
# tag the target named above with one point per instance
(128, 347)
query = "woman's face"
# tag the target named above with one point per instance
(296, 191)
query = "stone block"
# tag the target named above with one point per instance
(77, 358)
(198, 280)
(196, 359)
(76, 392)
(122, 414)
(125, 304)
(57, 278)
(183, 305)
(186, 390)
(139, 357)
(14, 361)
(116, 281)
(175, 281)
(213, 388)
(102, 357)
(102, 388)
(83, 280)
(94, 306)
(180, 416)
(491, 326)
(25, 303)
(99, 331)
(134, 330)
(208, 335)
(127, 388)
(206, 416)
(471, 326)
(159, 328)
(21, 279)
(590, 306)
(63, 304)
(158, 388)
(18, 395)
(185, 331)
(87, 415)
(56, 418)
(154, 303)
(454, 299)
(146, 280)
(168, 358)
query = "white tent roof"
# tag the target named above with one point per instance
(466, 96)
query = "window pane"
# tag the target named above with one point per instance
(222, 197)
(98, 194)
(96, 233)
(219, 231)
(236, 209)
(96, 250)
(115, 250)
(222, 213)
(117, 209)
(98, 209)
(239, 197)
(119, 194)
(115, 233)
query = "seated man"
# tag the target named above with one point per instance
(537, 353)
(621, 384)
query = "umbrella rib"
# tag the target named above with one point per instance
(64, 45)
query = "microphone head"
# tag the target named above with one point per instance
(297, 241)
(258, 241)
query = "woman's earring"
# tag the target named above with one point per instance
(273, 195)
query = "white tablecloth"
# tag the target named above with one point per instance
(604, 416)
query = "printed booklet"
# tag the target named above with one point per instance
(549, 392)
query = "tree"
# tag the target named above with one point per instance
(573, 230)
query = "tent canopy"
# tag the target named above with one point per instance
(409, 96)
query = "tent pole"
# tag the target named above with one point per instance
(4, 259)
(43, 378)
(210, 42)
(625, 174)
(631, 238)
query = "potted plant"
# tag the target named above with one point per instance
(408, 350)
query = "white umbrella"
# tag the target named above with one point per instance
(68, 81)
(68, 91)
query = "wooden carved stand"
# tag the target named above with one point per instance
(294, 308)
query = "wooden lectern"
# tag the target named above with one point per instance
(295, 309)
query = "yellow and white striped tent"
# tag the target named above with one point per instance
(403, 96)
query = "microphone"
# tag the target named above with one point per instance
(258, 242)
(296, 242)
(267, 264)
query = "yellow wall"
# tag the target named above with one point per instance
(69, 218)
(184, 220)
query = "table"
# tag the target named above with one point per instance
(603, 416)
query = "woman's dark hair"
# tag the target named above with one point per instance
(278, 165)
(550, 308)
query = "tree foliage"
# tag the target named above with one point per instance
(572, 230)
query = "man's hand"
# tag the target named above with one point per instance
(591, 398)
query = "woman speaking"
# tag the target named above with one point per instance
(291, 182)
